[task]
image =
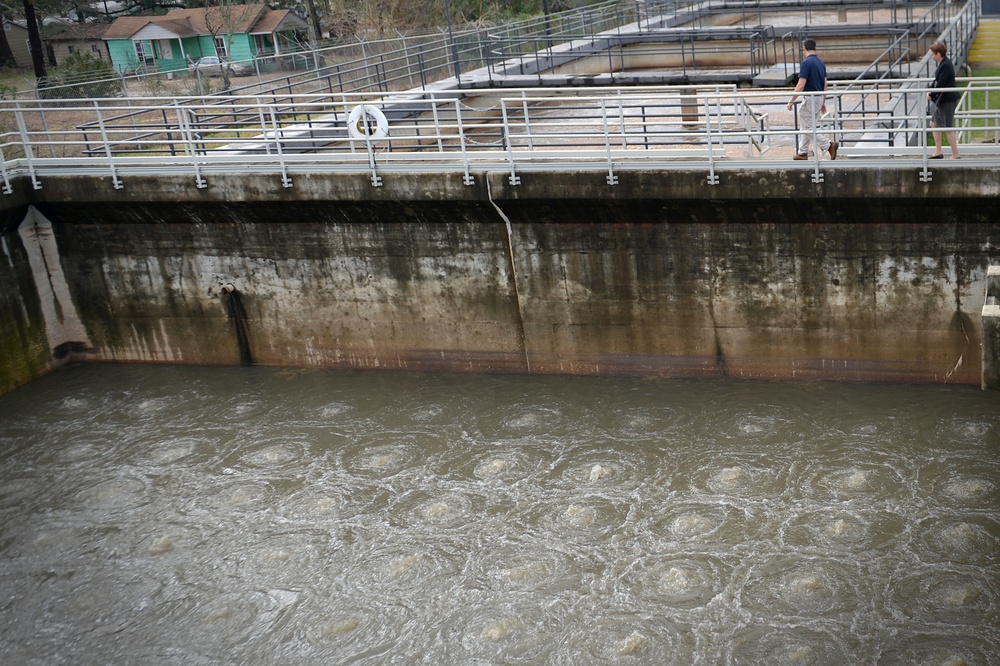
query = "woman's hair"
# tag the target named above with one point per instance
(939, 48)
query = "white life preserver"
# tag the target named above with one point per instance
(367, 122)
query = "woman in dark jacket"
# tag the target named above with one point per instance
(944, 102)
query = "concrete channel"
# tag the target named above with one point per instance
(864, 275)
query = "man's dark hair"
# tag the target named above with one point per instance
(809, 45)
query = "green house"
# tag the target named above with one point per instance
(234, 32)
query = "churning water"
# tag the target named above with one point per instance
(254, 515)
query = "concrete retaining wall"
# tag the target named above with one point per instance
(868, 276)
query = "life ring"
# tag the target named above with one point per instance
(367, 122)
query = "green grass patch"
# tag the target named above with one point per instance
(983, 100)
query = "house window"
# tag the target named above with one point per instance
(220, 47)
(140, 52)
(72, 49)
(93, 47)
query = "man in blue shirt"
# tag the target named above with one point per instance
(812, 78)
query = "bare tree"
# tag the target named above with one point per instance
(225, 18)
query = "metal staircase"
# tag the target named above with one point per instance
(985, 51)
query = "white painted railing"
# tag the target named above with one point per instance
(518, 131)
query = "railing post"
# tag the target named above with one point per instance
(107, 147)
(29, 154)
(276, 128)
(7, 189)
(612, 178)
(467, 179)
(991, 331)
(188, 136)
(514, 178)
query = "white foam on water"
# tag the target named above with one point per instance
(970, 488)
(437, 510)
(691, 524)
(74, 404)
(599, 472)
(404, 565)
(531, 571)
(272, 455)
(498, 630)
(579, 515)
(633, 643)
(730, 477)
(160, 546)
(492, 468)
(960, 595)
(337, 628)
(334, 409)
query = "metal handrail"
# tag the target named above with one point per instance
(714, 128)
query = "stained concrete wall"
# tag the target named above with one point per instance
(867, 276)
(24, 349)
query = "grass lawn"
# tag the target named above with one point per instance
(15, 80)
(983, 100)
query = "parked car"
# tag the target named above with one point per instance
(212, 66)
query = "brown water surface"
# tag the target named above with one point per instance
(261, 516)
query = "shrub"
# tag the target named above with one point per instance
(81, 75)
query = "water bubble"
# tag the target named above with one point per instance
(381, 461)
(152, 405)
(403, 566)
(975, 540)
(336, 628)
(801, 587)
(124, 493)
(633, 643)
(498, 630)
(961, 595)
(675, 581)
(730, 476)
(683, 582)
(74, 404)
(240, 494)
(970, 488)
(599, 472)
(856, 480)
(953, 649)
(691, 524)
(269, 456)
(767, 646)
(160, 546)
(492, 468)
(531, 571)
(172, 452)
(437, 510)
(580, 515)
(944, 596)
(333, 409)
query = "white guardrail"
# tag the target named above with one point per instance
(715, 128)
